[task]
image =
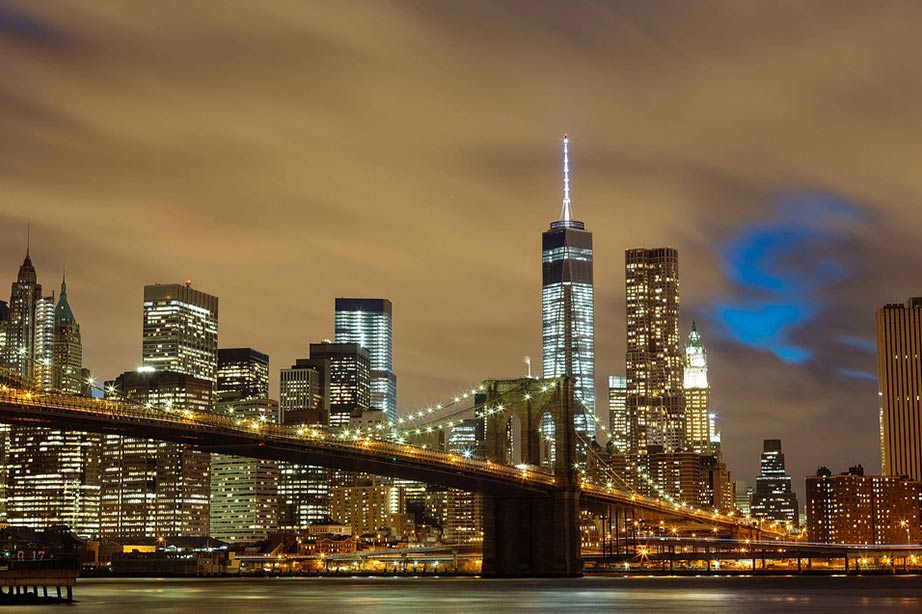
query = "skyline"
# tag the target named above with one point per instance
(440, 185)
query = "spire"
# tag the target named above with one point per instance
(27, 270)
(566, 214)
(62, 312)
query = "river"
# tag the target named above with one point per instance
(688, 595)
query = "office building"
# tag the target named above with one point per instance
(899, 376)
(52, 477)
(156, 488)
(68, 375)
(243, 373)
(180, 331)
(244, 491)
(617, 414)
(655, 399)
(853, 508)
(773, 498)
(369, 507)
(567, 305)
(349, 377)
(19, 355)
(698, 434)
(369, 323)
(743, 497)
(304, 392)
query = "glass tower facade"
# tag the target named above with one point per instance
(369, 323)
(567, 305)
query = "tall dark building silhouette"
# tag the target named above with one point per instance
(20, 354)
(773, 498)
(567, 303)
(655, 361)
(899, 376)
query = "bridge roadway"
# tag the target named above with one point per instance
(221, 434)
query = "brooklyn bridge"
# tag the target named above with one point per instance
(534, 487)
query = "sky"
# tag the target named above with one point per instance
(281, 154)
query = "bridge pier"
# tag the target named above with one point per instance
(532, 533)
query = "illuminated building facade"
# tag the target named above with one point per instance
(180, 330)
(369, 322)
(349, 377)
(773, 498)
(156, 488)
(567, 305)
(698, 433)
(368, 507)
(243, 373)
(304, 392)
(618, 429)
(899, 376)
(852, 508)
(655, 364)
(52, 477)
(244, 491)
(68, 374)
(19, 352)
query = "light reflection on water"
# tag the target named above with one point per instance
(710, 595)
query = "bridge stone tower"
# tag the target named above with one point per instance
(532, 533)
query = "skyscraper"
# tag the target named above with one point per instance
(698, 433)
(155, 488)
(68, 374)
(349, 377)
(180, 330)
(369, 322)
(617, 414)
(244, 491)
(243, 373)
(773, 498)
(304, 392)
(655, 400)
(899, 376)
(567, 311)
(52, 476)
(19, 352)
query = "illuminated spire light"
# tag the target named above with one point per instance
(566, 214)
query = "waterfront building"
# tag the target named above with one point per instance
(617, 414)
(243, 373)
(567, 305)
(244, 491)
(156, 488)
(369, 507)
(853, 508)
(180, 331)
(699, 434)
(899, 376)
(369, 323)
(655, 364)
(773, 498)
